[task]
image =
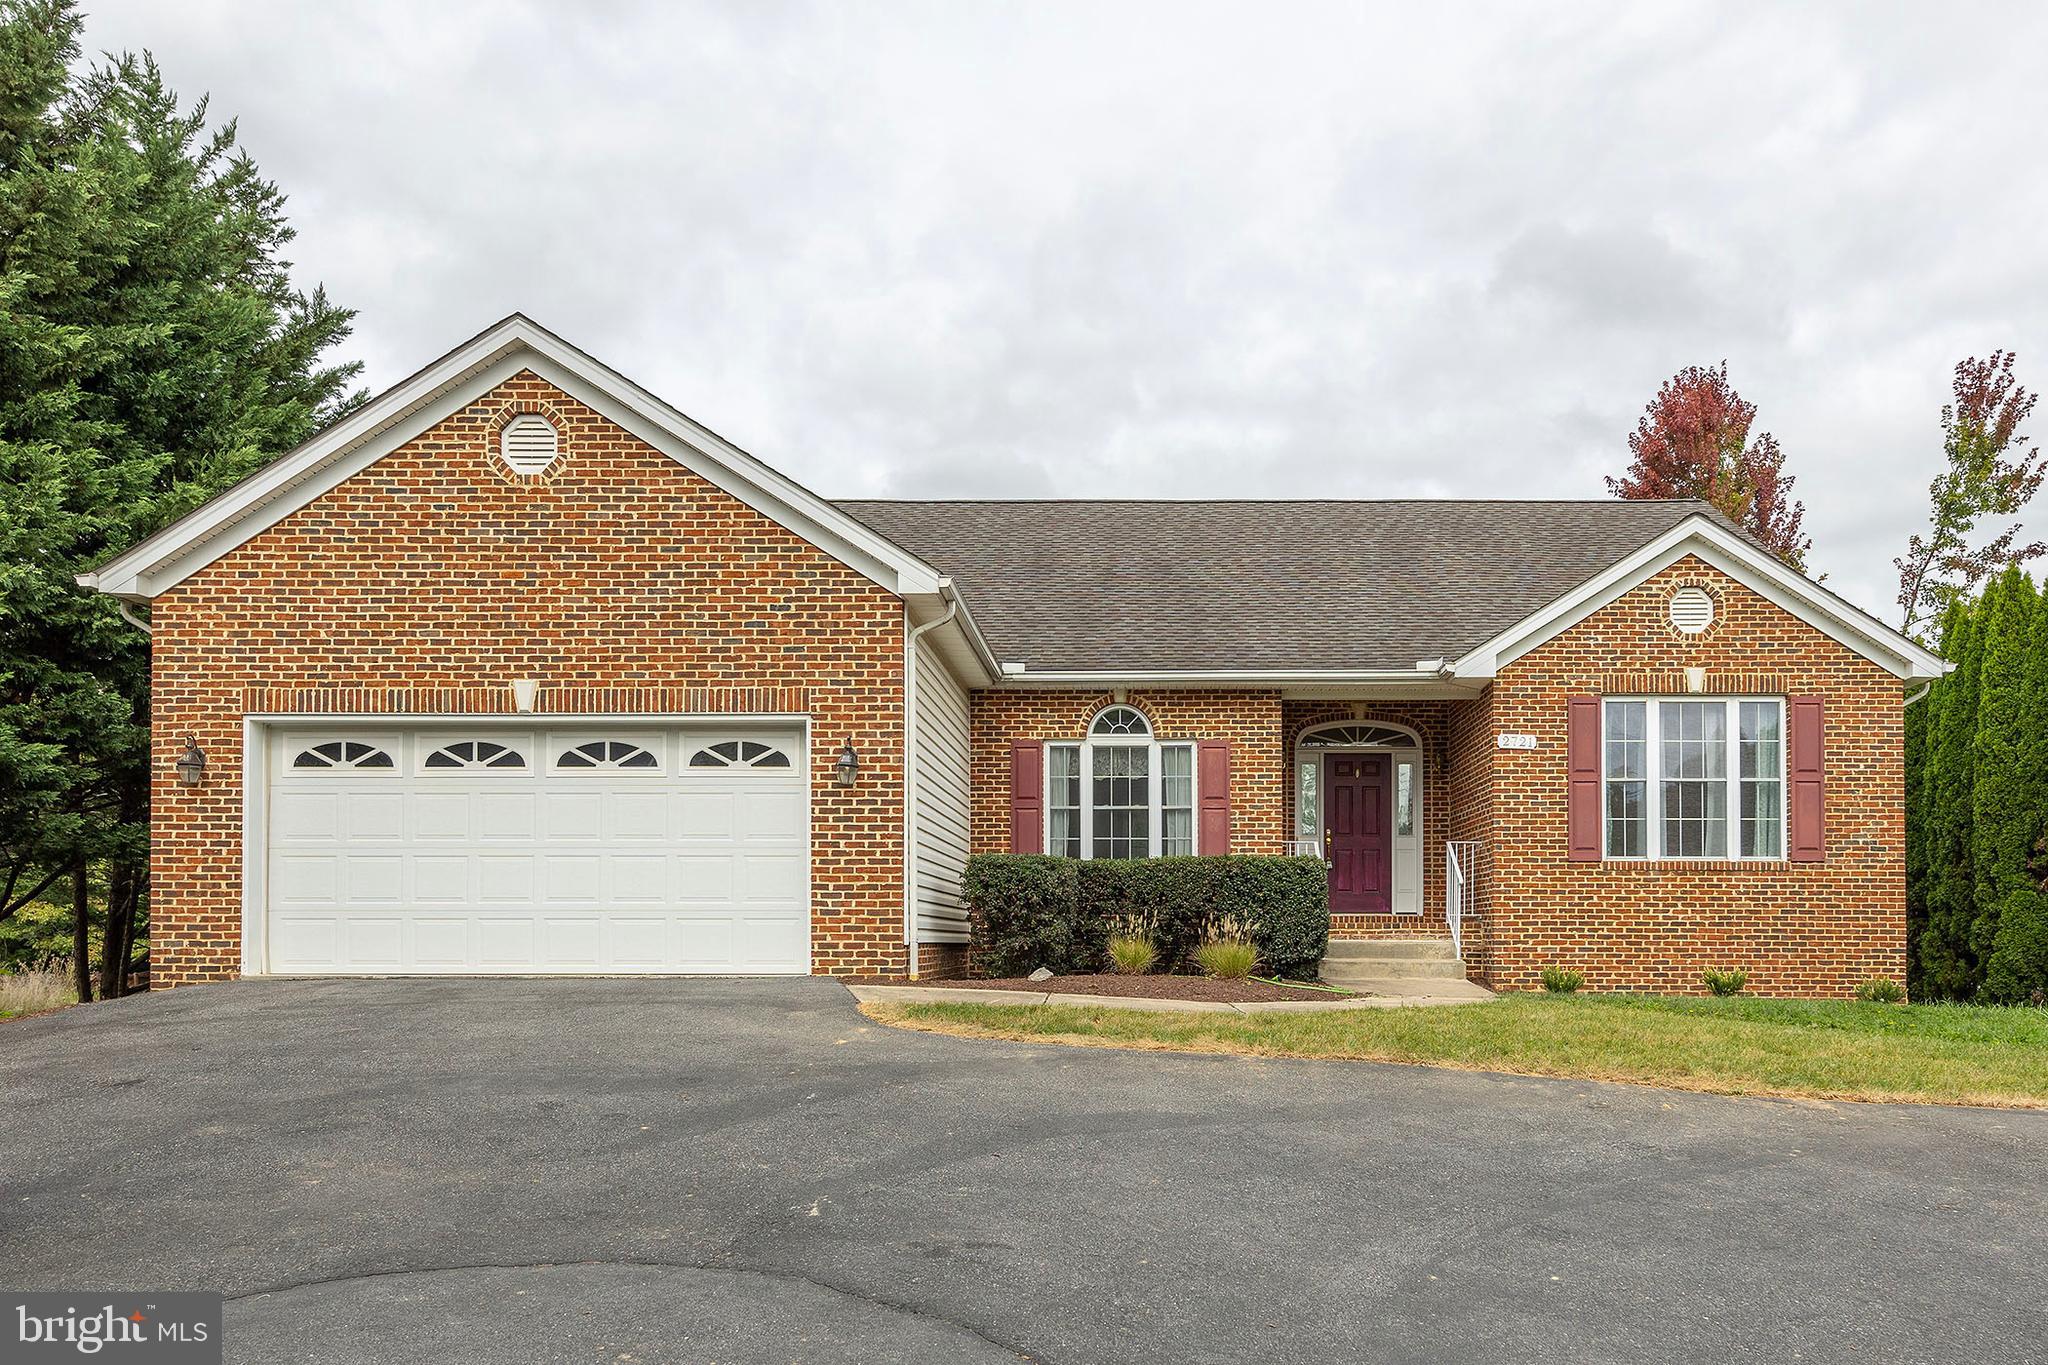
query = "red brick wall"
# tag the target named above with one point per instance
(1814, 929)
(617, 573)
(941, 961)
(1469, 765)
(1249, 720)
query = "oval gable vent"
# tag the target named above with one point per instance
(1692, 610)
(529, 443)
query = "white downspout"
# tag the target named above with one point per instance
(910, 639)
(131, 618)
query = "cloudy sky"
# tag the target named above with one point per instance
(1178, 249)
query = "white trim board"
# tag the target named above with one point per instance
(1748, 565)
(447, 386)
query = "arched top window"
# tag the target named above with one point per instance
(607, 753)
(342, 753)
(476, 753)
(1120, 722)
(1119, 792)
(1358, 737)
(739, 753)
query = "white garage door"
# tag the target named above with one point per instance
(497, 850)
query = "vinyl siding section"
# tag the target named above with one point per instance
(942, 814)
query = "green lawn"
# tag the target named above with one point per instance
(1946, 1054)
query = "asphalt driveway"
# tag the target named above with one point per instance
(652, 1171)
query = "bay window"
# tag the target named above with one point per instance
(1693, 777)
(1120, 793)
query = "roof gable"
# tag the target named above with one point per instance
(1736, 556)
(445, 387)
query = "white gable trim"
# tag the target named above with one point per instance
(1748, 565)
(444, 388)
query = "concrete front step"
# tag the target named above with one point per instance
(1349, 971)
(1343, 948)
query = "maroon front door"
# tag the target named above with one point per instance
(1357, 838)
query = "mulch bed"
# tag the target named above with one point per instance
(1137, 987)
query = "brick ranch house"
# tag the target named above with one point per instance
(517, 669)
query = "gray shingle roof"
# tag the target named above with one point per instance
(1167, 586)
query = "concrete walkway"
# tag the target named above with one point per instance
(1395, 993)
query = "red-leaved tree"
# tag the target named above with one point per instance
(1992, 472)
(1693, 442)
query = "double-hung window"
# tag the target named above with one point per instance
(1120, 793)
(1694, 777)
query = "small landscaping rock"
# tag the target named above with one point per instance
(1042, 974)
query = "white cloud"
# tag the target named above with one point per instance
(1159, 250)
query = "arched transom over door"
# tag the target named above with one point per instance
(495, 849)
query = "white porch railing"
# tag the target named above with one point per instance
(1304, 848)
(1461, 875)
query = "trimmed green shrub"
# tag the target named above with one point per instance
(1226, 959)
(1018, 920)
(1562, 980)
(1729, 982)
(1881, 990)
(1282, 904)
(1131, 954)
(2017, 973)
(1023, 914)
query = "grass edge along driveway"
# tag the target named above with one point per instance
(1811, 1049)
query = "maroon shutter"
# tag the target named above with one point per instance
(1027, 796)
(1806, 770)
(1213, 782)
(1582, 769)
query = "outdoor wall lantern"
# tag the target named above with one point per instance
(191, 764)
(846, 766)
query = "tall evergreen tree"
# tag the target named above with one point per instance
(152, 351)
(1948, 970)
(2006, 815)
(2016, 968)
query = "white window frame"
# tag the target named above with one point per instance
(1653, 782)
(1155, 785)
(560, 743)
(695, 743)
(389, 743)
(426, 744)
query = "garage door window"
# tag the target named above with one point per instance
(740, 753)
(608, 755)
(469, 754)
(342, 753)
